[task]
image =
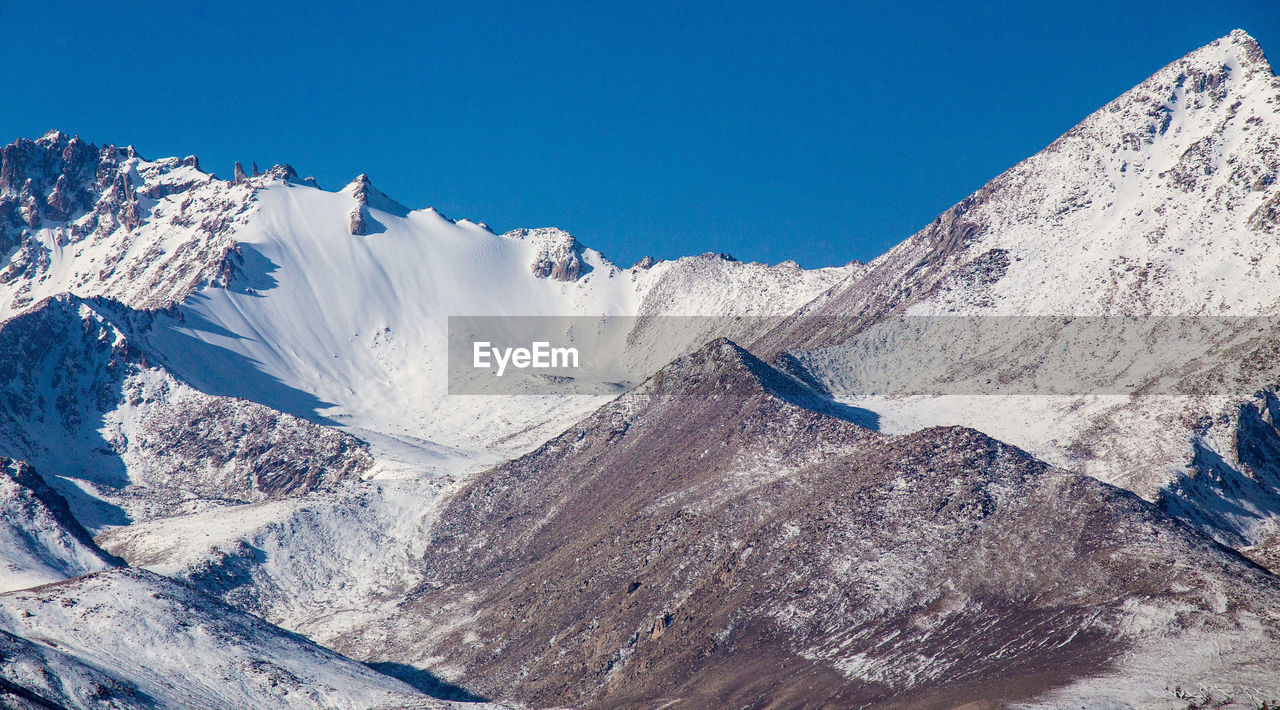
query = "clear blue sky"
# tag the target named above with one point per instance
(822, 132)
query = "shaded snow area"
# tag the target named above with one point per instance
(40, 540)
(129, 638)
(232, 474)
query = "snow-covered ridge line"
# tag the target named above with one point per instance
(127, 638)
(76, 218)
(1164, 202)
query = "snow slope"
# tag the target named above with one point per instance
(40, 541)
(129, 638)
(351, 329)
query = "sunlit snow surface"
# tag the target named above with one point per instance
(351, 329)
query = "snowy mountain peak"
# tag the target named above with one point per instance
(1164, 201)
(723, 368)
(1247, 49)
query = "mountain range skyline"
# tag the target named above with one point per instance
(823, 133)
(233, 471)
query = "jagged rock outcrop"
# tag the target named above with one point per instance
(366, 196)
(107, 222)
(557, 255)
(361, 188)
(357, 224)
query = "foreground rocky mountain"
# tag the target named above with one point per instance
(239, 387)
(742, 543)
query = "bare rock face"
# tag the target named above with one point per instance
(360, 190)
(283, 172)
(240, 175)
(362, 221)
(557, 255)
(357, 224)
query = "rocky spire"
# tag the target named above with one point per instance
(557, 255)
(360, 190)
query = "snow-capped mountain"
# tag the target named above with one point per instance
(240, 387)
(1161, 203)
(1164, 201)
(280, 295)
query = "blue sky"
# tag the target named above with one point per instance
(821, 132)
